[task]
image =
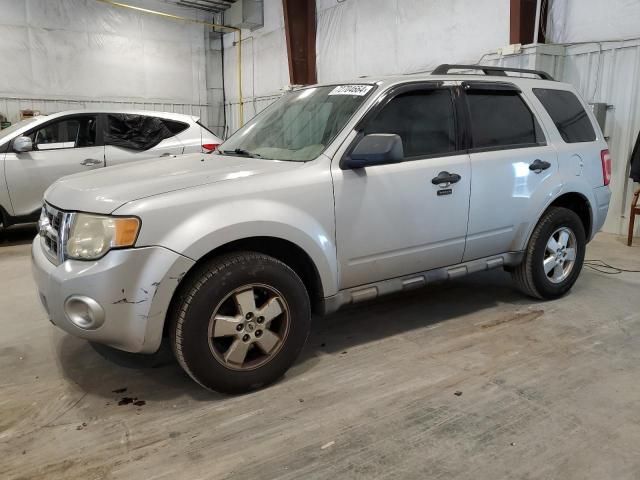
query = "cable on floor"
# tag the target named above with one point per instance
(603, 267)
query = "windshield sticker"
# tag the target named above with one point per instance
(359, 90)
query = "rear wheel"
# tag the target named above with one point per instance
(240, 322)
(554, 256)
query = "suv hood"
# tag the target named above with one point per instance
(106, 189)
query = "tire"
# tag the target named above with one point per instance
(216, 329)
(533, 276)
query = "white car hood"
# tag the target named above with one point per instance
(106, 189)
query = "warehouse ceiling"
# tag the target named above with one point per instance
(213, 6)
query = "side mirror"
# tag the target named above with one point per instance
(22, 144)
(375, 149)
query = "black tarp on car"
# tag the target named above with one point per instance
(135, 132)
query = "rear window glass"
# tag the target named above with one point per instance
(501, 119)
(567, 113)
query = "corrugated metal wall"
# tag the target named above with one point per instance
(607, 72)
(252, 106)
(11, 106)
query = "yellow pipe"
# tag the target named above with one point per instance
(200, 22)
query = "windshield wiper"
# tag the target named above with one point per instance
(241, 151)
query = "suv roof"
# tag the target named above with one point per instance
(490, 70)
(490, 74)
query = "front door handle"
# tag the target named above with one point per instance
(91, 162)
(444, 179)
(539, 165)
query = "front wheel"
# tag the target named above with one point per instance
(554, 256)
(240, 322)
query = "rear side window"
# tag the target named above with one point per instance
(135, 132)
(501, 119)
(567, 113)
(423, 119)
(174, 126)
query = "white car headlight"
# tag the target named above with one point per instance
(91, 236)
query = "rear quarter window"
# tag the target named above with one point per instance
(567, 114)
(174, 126)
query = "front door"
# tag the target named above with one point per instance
(393, 220)
(61, 147)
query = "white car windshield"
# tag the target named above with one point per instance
(15, 127)
(299, 125)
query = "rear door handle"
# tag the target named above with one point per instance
(444, 179)
(165, 154)
(91, 162)
(539, 165)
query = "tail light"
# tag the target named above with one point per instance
(606, 166)
(209, 147)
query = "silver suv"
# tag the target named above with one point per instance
(334, 195)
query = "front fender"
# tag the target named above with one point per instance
(200, 232)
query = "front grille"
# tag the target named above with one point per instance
(53, 226)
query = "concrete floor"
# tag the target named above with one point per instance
(464, 380)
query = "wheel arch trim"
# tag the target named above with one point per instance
(565, 192)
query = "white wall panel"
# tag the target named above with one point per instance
(377, 37)
(587, 20)
(83, 52)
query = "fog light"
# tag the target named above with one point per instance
(84, 312)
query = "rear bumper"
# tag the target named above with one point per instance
(133, 287)
(603, 197)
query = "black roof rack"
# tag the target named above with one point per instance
(489, 70)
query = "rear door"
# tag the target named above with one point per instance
(513, 168)
(63, 146)
(129, 138)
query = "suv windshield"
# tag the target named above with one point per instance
(299, 125)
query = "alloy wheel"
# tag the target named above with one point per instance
(249, 327)
(560, 255)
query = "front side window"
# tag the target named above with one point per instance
(298, 126)
(567, 114)
(500, 119)
(75, 132)
(423, 119)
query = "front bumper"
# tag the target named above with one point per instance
(133, 286)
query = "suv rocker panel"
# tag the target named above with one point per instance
(417, 280)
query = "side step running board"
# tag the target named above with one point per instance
(417, 280)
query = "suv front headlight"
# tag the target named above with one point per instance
(92, 236)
